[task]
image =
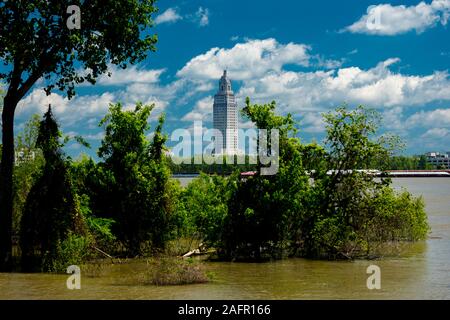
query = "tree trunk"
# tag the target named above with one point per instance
(6, 183)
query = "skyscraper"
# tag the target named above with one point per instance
(225, 118)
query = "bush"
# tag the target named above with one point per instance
(74, 250)
(134, 180)
(51, 212)
(265, 212)
(175, 271)
(355, 211)
(381, 218)
(99, 228)
(204, 207)
(397, 216)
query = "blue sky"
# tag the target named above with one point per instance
(308, 56)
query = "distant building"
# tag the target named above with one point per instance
(23, 155)
(438, 159)
(225, 117)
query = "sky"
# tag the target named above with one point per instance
(308, 56)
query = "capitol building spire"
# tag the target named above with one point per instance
(225, 118)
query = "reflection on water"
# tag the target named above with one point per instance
(422, 271)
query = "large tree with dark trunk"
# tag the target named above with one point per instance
(52, 40)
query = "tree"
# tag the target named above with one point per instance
(137, 175)
(1, 108)
(1, 98)
(353, 209)
(36, 42)
(51, 210)
(424, 164)
(265, 210)
(27, 169)
(204, 204)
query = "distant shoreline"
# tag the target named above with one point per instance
(419, 173)
(389, 173)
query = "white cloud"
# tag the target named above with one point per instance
(385, 19)
(96, 136)
(169, 16)
(393, 120)
(436, 133)
(37, 102)
(312, 122)
(431, 126)
(201, 111)
(87, 110)
(261, 67)
(79, 109)
(377, 87)
(202, 16)
(327, 63)
(246, 125)
(244, 61)
(132, 74)
(434, 118)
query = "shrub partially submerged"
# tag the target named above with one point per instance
(174, 271)
(376, 224)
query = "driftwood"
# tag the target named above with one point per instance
(191, 253)
(103, 252)
(107, 255)
(199, 251)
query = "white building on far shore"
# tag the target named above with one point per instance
(439, 159)
(225, 117)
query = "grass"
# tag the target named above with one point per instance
(94, 269)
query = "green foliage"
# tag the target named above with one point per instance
(204, 205)
(36, 43)
(349, 139)
(51, 209)
(188, 166)
(380, 218)
(136, 179)
(99, 228)
(352, 204)
(25, 171)
(73, 250)
(404, 163)
(35, 33)
(319, 204)
(27, 138)
(265, 211)
(395, 216)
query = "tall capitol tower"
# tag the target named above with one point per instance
(225, 116)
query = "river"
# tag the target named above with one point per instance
(422, 271)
